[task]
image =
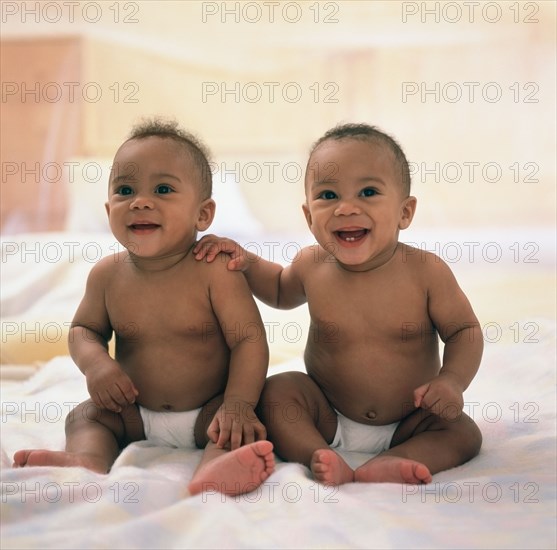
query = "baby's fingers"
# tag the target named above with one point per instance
(207, 251)
(237, 263)
(427, 399)
(213, 430)
(224, 436)
(210, 246)
(218, 432)
(260, 431)
(105, 401)
(128, 391)
(419, 394)
(436, 402)
(238, 437)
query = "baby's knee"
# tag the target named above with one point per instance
(290, 395)
(283, 385)
(86, 411)
(475, 438)
(274, 391)
(469, 435)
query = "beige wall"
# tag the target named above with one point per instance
(38, 132)
(358, 64)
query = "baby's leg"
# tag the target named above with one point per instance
(301, 424)
(230, 472)
(392, 468)
(94, 438)
(233, 472)
(330, 468)
(422, 445)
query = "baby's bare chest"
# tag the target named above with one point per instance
(165, 309)
(354, 307)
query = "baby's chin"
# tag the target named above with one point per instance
(361, 262)
(357, 266)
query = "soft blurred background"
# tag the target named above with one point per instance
(467, 88)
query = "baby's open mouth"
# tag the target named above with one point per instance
(352, 235)
(144, 225)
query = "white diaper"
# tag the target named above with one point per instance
(170, 429)
(363, 438)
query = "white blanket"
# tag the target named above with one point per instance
(504, 498)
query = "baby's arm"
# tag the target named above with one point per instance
(241, 324)
(460, 330)
(273, 284)
(108, 385)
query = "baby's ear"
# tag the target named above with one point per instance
(407, 211)
(206, 214)
(307, 214)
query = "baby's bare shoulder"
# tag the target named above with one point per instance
(108, 266)
(216, 272)
(422, 263)
(304, 264)
(217, 266)
(310, 256)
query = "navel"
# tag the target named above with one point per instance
(372, 415)
(167, 407)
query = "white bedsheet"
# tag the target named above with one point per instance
(504, 498)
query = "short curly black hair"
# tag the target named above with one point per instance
(170, 129)
(365, 132)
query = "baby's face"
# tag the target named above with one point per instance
(354, 201)
(154, 200)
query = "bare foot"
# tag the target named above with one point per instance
(393, 469)
(236, 472)
(330, 468)
(43, 457)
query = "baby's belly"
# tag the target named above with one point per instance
(373, 393)
(166, 399)
(369, 407)
(175, 385)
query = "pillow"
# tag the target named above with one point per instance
(233, 217)
(88, 194)
(88, 191)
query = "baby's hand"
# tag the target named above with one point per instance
(442, 396)
(235, 422)
(110, 387)
(210, 246)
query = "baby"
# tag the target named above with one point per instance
(189, 361)
(374, 381)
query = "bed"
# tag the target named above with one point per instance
(504, 498)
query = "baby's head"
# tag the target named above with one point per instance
(371, 134)
(192, 146)
(159, 193)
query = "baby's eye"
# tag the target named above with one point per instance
(124, 190)
(327, 195)
(163, 189)
(368, 192)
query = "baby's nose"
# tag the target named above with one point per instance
(347, 208)
(141, 202)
